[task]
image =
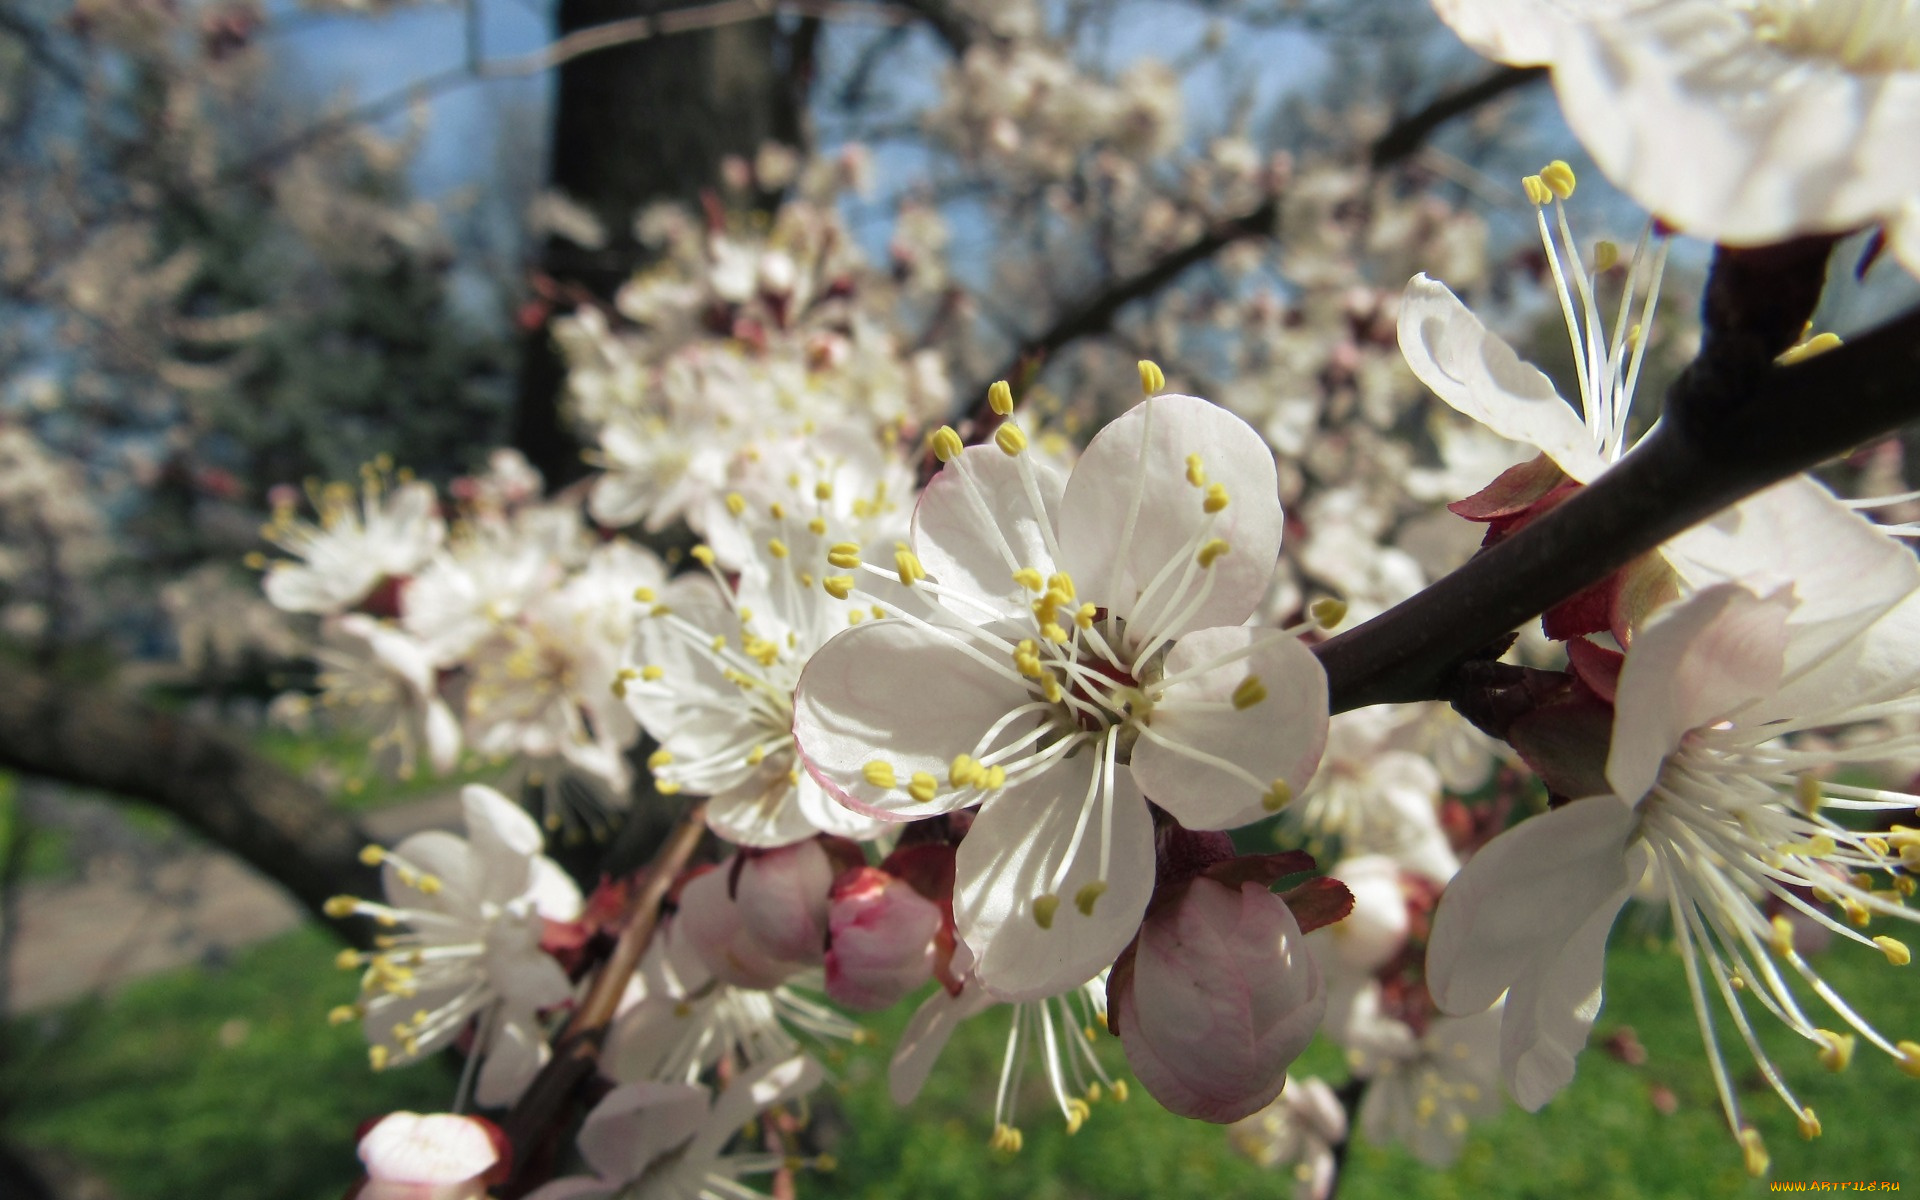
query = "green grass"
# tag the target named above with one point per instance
(229, 1085)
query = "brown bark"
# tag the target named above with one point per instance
(246, 804)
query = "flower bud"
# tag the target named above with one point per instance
(714, 924)
(1215, 999)
(881, 939)
(435, 1157)
(782, 896)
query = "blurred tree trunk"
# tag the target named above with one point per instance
(635, 124)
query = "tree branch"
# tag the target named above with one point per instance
(1412, 131)
(545, 1107)
(1724, 438)
(246, 804)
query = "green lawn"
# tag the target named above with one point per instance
(229, 1085)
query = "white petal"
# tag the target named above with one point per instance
(1695, 663)
(639, 1123)
(1843, 571)
(764, 811)
(1515, 905)
(902, 694)
(1129, 511)
(505, 841)
(514, 1056)
(926, 1035)
(1278, 738)
(753, 1090)
(1732, 137)
(1474, 370)
(1551, 1008)
(1011, 856)
(965, 533)
(1519, 33)
(446, 858)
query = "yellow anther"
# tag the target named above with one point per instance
(1212, 550)
(1327, 612)
(1605, 255)
(1754, 1151)
(1094, 1091)
(1196, 471)
(756, 756)
(777, 511)
(429, 885)
(1806, 791)
(1026, 658)
(823, 490)
(878, 612)
(1053, 632)
(1895, 950)
(1011, 439)
(718, 643)
(1216, 498)
(1029, 578)
(1537, 191)
(373, 856)
(343, 1014)
(1050, 688)
(963, 771)
(1043, 909)
(1061, 582)
(666, 787)
(817, 527)
(1820, 343)
(1809, 1124)
(908, 566)
(1836, 1049)
(1250, 692)
(1878, 845)
(994, 777)
(1904, 884)
(1000, 398)
(776, 547)
(377, 1057)
(1278, 796)
(659, 758)
(1083, 616)
(652, 673)
(1909, 1059)
(347, 960)
(946, 444)
(1153, 380)
(1120, 1090)
(1077, 1114)
(838, 586)
(922, 787)
(1858, 914)
(825, 1162)
(1088, 893)
(1006, 1139)
(879, 774)
(702, 554)
(845, 555)
(1780, 935)
(341, 906)
(1558, 176)
(1820, 845)
(736, 503)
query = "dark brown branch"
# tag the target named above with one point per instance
(547, 1105)
(1412, 131)
(1714, 448)
(246, 804)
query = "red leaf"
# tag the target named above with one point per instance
(1318, 902)
(1517, 489)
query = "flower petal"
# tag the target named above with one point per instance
(1012, 855)
(505, 841)
(1695, 663)
(1129, 511)
(1474, 370)
(1279, 737)
(926, 1035)
(1551, 1007)
(906, 695)
(975, 526)
(638, 1123)
(1519, 901)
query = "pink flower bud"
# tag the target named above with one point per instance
(783, 899)
(434, 1157)
(710, 922)
(881, 939)
(1216, 997)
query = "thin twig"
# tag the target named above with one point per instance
(547, 1102)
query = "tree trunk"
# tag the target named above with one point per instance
(636, 124)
